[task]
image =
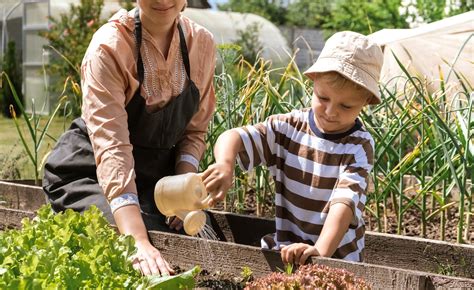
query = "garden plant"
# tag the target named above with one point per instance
(74, 251)
(425, 135)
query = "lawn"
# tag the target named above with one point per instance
(13, 157)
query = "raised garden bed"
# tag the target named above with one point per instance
(390, 261)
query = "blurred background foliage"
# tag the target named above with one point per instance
(357, 15)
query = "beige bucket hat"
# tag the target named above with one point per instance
(354, 56)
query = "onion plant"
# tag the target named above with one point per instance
(424, 155)
(37, 132)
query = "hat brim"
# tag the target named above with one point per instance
(349, 71)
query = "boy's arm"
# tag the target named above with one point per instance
(218, 177)
(337, 222)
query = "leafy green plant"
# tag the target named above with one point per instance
(11, 68)
(70, 250)
(246, 274)
(69, 36)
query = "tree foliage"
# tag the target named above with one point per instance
(356, 15)
(11, 68)
(365, 16)
(272, 10)
(308, 13)
(249, 42)
(434, 10)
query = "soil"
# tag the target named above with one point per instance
(216, 280)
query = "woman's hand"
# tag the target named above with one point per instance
(149, 261)
(218, 179)
(175, 223)
(297, 253)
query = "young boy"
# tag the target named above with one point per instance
(320, 158)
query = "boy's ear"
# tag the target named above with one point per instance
(369, 99)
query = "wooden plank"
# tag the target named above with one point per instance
(21, 196)
(420, 254)
(11, 218)
(381, 249)
(227, 257)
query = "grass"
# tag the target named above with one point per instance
(16, 164)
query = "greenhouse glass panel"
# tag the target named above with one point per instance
(36, 13)
(34, 48)
(37, 95)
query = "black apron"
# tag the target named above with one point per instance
(70, 179)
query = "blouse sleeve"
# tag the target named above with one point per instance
(104, 84)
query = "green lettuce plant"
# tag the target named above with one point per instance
(73, 251)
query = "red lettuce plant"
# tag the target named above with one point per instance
(310, 276)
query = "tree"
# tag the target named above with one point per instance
(308, 13)
(365, 16)
(434, 10)
(249, 42)
(69, 35)
(272, 10)
(11, 68)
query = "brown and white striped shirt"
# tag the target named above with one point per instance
(312, 170)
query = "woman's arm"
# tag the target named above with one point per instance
(148, 259)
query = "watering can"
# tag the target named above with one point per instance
(184, 196)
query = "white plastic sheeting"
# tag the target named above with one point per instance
(430, 49)
(225, 26)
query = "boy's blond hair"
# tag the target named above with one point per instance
(337, 81)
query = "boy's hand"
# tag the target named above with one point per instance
(218, 179)
(297, 253)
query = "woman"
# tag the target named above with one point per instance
(148, 98)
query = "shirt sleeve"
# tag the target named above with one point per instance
(259, 144)
(103, 86)
(193, 141)
(351, 186)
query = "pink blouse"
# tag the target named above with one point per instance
(109, 81)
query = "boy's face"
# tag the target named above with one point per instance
(335, 110)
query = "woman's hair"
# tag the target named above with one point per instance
(185, 5)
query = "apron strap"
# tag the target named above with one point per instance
(138, 40)
(184, 51)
